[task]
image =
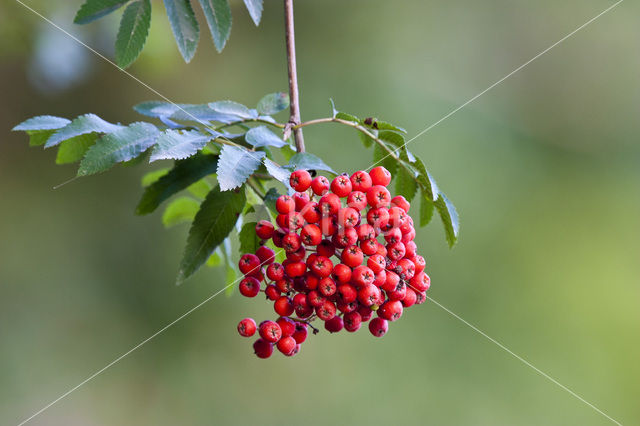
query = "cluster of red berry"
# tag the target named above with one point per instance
(369, 276)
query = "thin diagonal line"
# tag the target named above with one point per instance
(524, 361)
(590, 21)
(204, 123)
(133, 349)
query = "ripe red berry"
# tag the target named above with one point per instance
(380, 176)
(400, 201)
(378, 196)
(300, 180)
(369, 295)
(369, 247)
(272, 292)
(420, 282)
(291, 242)
(378, 218)
(357, 200)
(352, 321)
(391, 310)
(352, 256)
(326, 311)
(295, 269)
(270, 331)
(266, 255)
(275, 272)
(287, 345)
(326, 248)
(341, 273)
(341, 186)
(285, 204)
(264, 229)
(320, 185)
(378, 327)
(376, 262)
(247, 327)
(311, 235)
(301, 199)
(300, 335)
(327, 287)
(262, 348)
(249, 264)
(409, 298)
(348, 217)
(283, 306)
(361, 181)
(311, 212)
(329, 204)
(362, 276)
(249, 287)
(334, 325)
(347, 293)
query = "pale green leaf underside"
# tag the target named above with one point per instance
(87, 123)
(218, 16)
(261, 136)
(184, 26)
(255, 10)
(117, 147)
(273, 103)
(236, 165)
(173, 144)
(306, 161)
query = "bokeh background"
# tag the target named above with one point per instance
(544, 171)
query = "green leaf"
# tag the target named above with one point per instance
(152, 177)
(449, 217)
(235, 166)
(122, 145)
(39, 137)
(406, 183)
(426, 180)
(188, 112)
(366, 140)
(200, 188)
(134, 28)
(279, 173)
(426, 209)
(382, 157)
(255, 10)
(273, 103)
(261, 136)
(232, 108)
(270, 200)
(348, 117)
(42, 122)
(214, 221)
(87, 123)
(306, 161)
(392, 137)
(173, 144)
(94, 9)
(374, 123)
(218, 15)
(74, 149)
(184, 26)
(249, 241)
(180, 210)
(183, 174)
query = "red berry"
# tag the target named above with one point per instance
(285, 204)
(287, 345)
(275, 272)
(352, 321)
(376, 262)
(378, 218)
(380, 176)
(326, 311)
(362, 276)
(391, 310)
(294, 220)
(347, 293)
(266, 255)
(381, 278)
(328, 225)
(270, 331)
(341, 273)
(300, 335)
(249, 264)
(326, 248)
(311, 235)
(320, 185)
(249, 287)
(247, 327)
(395, 251)
(341, 186)
(297, 256)
(277, 237)
(311, 212)
(409, 298)
(378, 196)
(348, 217)
(264, 229)
(329, 204)
(391, 282)
(378, 327)
(327, 287)
(361, 181)
(400, 201)
(357, 200)
(300, 180)
(315, 299)
(263, 348)
(334, 325)
(295, 269)
(352, 256)
(345, 237)
(420, 282)
(283, 306)
(369, 295)
(398, 293)
(369, 247)
(272, 292)
(301, 199)
(365, 232)
(285, 285)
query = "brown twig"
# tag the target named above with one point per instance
(294, 115)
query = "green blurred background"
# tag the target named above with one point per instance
(543, 170)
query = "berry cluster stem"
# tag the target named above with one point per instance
(294, 115)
